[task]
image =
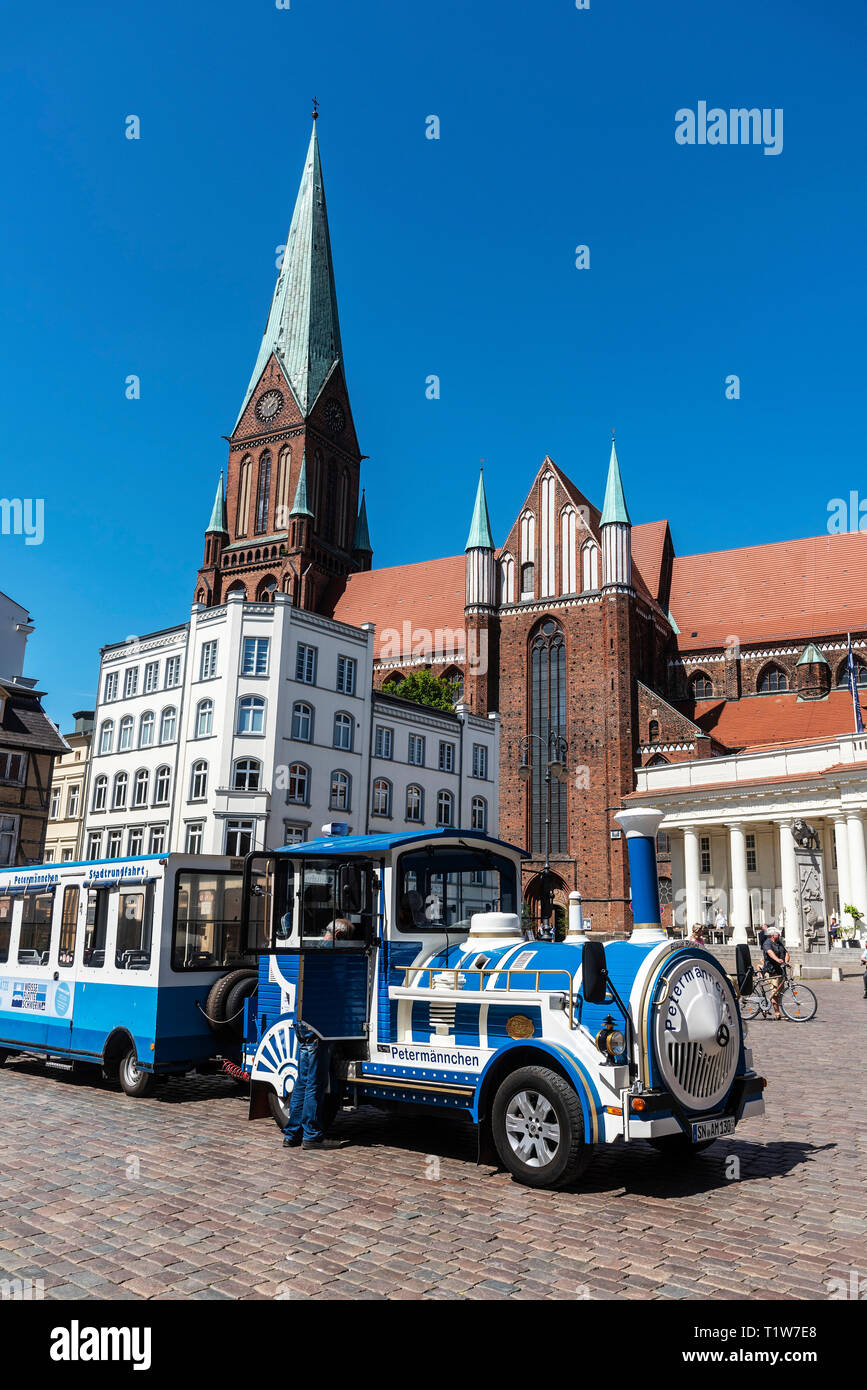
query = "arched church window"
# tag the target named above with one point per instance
(267, 589)
(653, 731)
(507, 579)
(843, 674)
(590, 566)
(528, 582)
(242, 516)
(547, 718)
(701, 686)
(772, 680)
(282, 500)
(263, 490)
(568, 565)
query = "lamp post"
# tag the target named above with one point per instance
(554, 749)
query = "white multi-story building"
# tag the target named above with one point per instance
(254, 724)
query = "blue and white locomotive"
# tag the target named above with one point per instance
(406, 952)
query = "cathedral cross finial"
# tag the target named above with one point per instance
(315, 109)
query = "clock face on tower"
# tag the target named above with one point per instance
(335, 418)
(269, 405)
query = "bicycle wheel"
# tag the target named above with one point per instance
(798, 1003)
(749, 1006)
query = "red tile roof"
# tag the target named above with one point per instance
(771, 720)
(648, 548)
(429, 595)
(811, 587)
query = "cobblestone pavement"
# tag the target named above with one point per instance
(179, 1196)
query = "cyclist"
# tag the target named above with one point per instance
(775, 962)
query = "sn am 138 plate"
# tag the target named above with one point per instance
(712, 1129)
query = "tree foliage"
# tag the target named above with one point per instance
(424, 688)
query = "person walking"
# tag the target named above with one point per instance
(720, 923)
(304, 1127)
(776, 961)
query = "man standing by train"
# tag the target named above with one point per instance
(304, 1127)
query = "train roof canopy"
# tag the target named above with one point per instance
(381, 844)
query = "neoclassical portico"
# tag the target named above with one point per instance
(729, 820)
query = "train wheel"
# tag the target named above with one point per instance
(133, 1080)
(538, 1128)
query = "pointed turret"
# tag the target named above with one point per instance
(217, 523)
(216, 535)
(362, 550)
(812, 674)
(480, 572)
(303, 331)
(616, 530)
(300, 506)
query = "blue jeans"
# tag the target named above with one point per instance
(305, 1107)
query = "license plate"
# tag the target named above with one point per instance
(712, 1129)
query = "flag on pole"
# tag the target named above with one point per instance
(852, 670)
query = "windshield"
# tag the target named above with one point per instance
(440, 889)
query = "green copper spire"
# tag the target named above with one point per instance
(811, 656)
(218, 512)
(302, 329)
(614, 507)
(299, 506)
(361, 540)
(480, 537)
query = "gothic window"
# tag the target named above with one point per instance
(547, 546)
(568, 561)
(771, 680)
(653, 731)
(528, 581)
(507, 579)
(330, 501)
(343, 537)
(701, 687)
(282, 500)
(590, 566)
(456, 679)
(843, 674)
(242, 517)
(528, 538)
(547, 717)
(263, 489)
(266, 591)
(656, 761)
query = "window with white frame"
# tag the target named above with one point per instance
(54, 807)
(173, 672)
(293, 834)
(8, 839)
(251, 715)
(479, 814)
(305, 664)
(124, 742)
(381, 803)
(140, 788)
(12, 766)
(302, 722)
(246, 775)
(162, 786)
(298, 784)
(146, 729)
(100, 792)
(168, 725)
(66, 856)
(445, 808)
(384, 742)
(343, 729)
(704, 853)
(118, 797)
(130, 682)
(73, 801)
(340, 794)
(480, 760)
(415, 750)
(106, 736)
(135, 841)
(346, 668)
(151, 677)
(204, 718)
(239, 837)
(115, 842)
(447, 757)
(208, 661)
(414, 803)
(94, 844)
(110, 687)
(751, 854)
(199, 780)
(254, 656)
(195, 836)
(157, 840)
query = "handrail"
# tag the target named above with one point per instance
(408, 970)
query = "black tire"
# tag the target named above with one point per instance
(798, 1003)
(234, 1006)
(3, 1055)
(280, 1109)
(215, 1004)
(535, 1097)
(134, 1082)
(679, 1146)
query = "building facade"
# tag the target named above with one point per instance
(63, 835)
(255, 724)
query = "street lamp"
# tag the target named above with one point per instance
(554, 749)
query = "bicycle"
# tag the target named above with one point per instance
(798, 1003)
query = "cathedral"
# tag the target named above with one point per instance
(603, 652)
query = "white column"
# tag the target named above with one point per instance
(739, 905)
(841, 845)
(857, 860)
(789, 868)
(692, 876)
(576, 930)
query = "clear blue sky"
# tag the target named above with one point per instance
(454, 257)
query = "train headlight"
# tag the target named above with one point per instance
(610, 1040)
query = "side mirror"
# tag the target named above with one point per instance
(743, 968)
(594, 972)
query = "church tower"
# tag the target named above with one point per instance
(294, 437)
(480, 611)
